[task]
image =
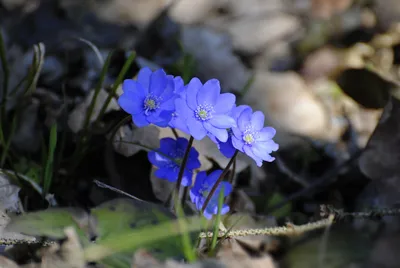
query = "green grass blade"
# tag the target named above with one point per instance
(4, 66)
(133, 239)
(99, 86)
(116, 84)
(188, 249)
(48, 172)
(7, 144)
(217, 222)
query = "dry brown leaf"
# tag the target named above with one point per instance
(289, 105)
(127, 137)
(327, 8)
(68, 255)
(260, 243)
(161, 188)
(232, 254)
(8, 193)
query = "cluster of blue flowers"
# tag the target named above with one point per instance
(199, 110)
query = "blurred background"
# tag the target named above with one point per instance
(324, 72)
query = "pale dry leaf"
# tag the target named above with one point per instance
(241, 202)
(8, 193)
(289, 106)
(232, 254)
(161, 188)
(7, 263)
(68, 255)
(259, 243)
(11, 236)
(76, 119)
(127, 138)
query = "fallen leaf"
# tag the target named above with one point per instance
(67, 255)
(128, 139)
(77, 117)
(8, 193)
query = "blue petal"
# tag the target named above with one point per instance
(131, 103)
(182, 108)
(181, 143)
(244, 119)
(178, 123)
(167, 145)
(143, 78)
(130, 85)
(238, 110)
(213, 177)
(193, 163)
(238, 144)
(219, 133)
(161, 173)
(193, 196)
(266, 134)
(156, 159)
(200, 179)
(172, 175)
(193, 88)
(160, 118)
(158, 82)
(209, 93)
(261, 153)
(140, 120)
(168, 91)
(237, 133)
(222, 121)
(257, 120)
(179, 85)
(227, 148)
(227, 187)
(187, 179)
(196, 129)
(225, 103)
(207, 215)
(250, 153)
(168, 105)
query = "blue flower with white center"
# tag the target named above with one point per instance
(252, 138)
(227, 148)
(202, 109)
(201, 189)
(168, 159)
(151, 98)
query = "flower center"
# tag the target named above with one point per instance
(151, 103)
(249, 136)
(204, 112)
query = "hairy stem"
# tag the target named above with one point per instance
(221, 177)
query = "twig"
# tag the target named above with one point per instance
(370, 214)
(317, 183)
(288, 230)
(286, 170)
(106, 186)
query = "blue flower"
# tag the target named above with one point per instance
(169, 157)
(227, 148)
(201, 189)
(252, 138)
(202, 109)
(150, 99)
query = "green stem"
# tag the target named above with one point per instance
(221, 177)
